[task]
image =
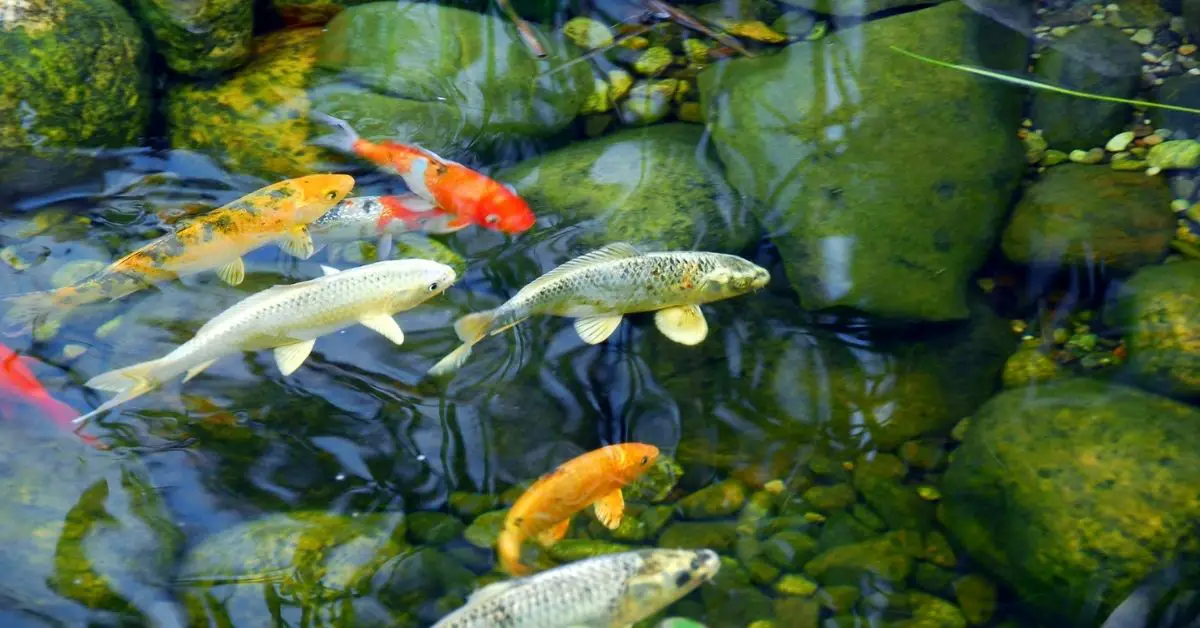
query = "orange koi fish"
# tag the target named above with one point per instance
(18, 385)
(218, 240)
(474, 197)
(592, 479)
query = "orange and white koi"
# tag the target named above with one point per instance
(382, 217)
(592, 479)
(472, 196)
(217, 240)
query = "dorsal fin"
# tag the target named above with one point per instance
(491, 590)
(606, 253)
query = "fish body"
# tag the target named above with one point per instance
(598, 288)
(594, 478)
(382, 218)
(474, 198)
(289, 319)
(217, 240)
(610, 591)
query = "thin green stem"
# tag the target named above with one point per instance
(1185, 248)
(1044, 86)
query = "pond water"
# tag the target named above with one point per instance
(967, 397)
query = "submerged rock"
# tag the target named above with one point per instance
(73, 76)
(310, 12)
(86, 537)
(872, 194)
(448, 79)
(1081, 215)
(253, 122)
(1075, 492)
(1095, 59)
(199, 37)
(1159, 311)
(644, 186)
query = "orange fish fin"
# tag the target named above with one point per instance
(458, 223)
(610, 508)
(556, 533)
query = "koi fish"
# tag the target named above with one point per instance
(19, 384)
(473, 197)
(614, 590)
(289, 319)
(382, 217)
(598, 288)
(217, 240)
(592, 479)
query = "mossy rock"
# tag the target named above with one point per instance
(199, 37)
(648, 186)
(311, 558)
(448, 79)
(1079, 215)
(1075, 492)
(74, 76)
(255, 121)
(86, 536)
(1159, 311)
(877, 203)
(888, 557)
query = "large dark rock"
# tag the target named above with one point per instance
(882, 179)
(199, 37)
(1075, 492)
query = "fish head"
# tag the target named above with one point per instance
(732, 276)
(633, 459)
(411, 282)
(319, 193)
(666, 575)
(505, 211)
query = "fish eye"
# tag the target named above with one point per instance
(645, 459)
(331, 194)
(682, 578)
(433, 286)
(492, 219)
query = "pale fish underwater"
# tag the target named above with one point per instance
(615, 590)
(289, 319)
(381, 218)
(599, 288)
(217, 240)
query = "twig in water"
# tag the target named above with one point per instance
(1185, 248)
(683, 19)
(1044, 86)
(523, 28)
(633, 33)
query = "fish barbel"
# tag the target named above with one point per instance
(217, 240)
(598, 288)
(382, 217)
(610, 591)
(591, 479)
(473, 197)
(289, 319)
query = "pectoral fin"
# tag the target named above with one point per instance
(385, 325)
(684, 324)
(610, 508)
(297, 243)
(597, 329)
(383, 250)
(196, 370)
(232, 273)
(290, 357)
(555, 534)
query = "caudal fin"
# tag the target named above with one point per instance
(129, 383)
(343, 137)
(23, 312)
(470, 329)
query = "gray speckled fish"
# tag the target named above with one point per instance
(382, 217)
(597, 289)
(611, 591)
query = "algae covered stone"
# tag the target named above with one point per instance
(714, 501)
(73, 76)
(871, 194)
(1158, 310)
(445, 78)
(255, 121)
(1074, 493)
(198, 37)
(645, 186)
(1081, 215)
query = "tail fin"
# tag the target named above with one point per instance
(129, 383)
(470, 329)
(26, 311)
(343, 137)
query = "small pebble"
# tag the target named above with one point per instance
(1150, 57)
(1053, 157)
(775, 487)
(1060, 31)
(1163, 133)
(1180, 205)
(1119, 142)
(1151, 140)
(929, 493)
(1093, 156)
(73, 351)
(1187, 50)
